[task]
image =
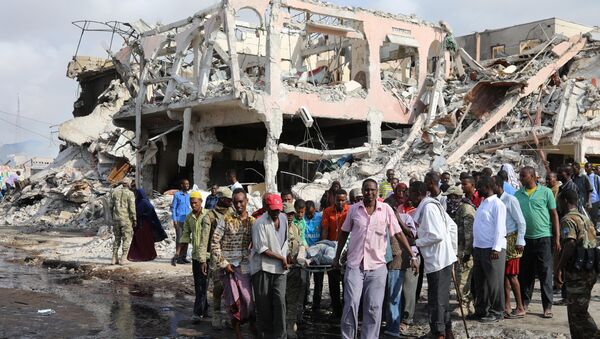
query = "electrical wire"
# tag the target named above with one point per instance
(28, 130)
(26, 118)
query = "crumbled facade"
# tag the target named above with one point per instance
(305, 81)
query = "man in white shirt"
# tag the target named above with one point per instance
(437, 243)
(489, 253)
(231, 177)
(268, 266)
(515, 244)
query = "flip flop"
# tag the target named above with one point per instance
(514, 315)
(547, 314)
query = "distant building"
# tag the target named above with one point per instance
(514, 40)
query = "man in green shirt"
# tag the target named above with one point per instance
(539, 210)
(194, 232)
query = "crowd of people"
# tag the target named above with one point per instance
(489, 235)
(10, 182)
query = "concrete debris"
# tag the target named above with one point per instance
(496, 125)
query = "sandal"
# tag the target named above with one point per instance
(547, 315)
(515, 315)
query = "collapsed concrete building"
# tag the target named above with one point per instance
(271, 87)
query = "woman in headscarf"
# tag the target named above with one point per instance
(328, 198)
(148, 230)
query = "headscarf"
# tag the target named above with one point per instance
(513, 180)
(145, 212)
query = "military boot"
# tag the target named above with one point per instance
(115, 259)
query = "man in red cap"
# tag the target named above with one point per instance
(269, 267)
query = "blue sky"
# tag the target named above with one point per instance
(37, 41)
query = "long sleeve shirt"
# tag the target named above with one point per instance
(123, 205)
(231, 241)
(515, 221)
(195, 233)
(181, 206)
(435, 235)
(489, 228)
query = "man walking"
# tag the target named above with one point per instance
(124, 217)
(269, 268)
(489, 253)
(438, 250)
(539, 210)
(385, 187)
(369, 222)
(583, 185)
(595, 197)
(333, 219)
(180, 209)
(210, 222)
(230, 247)
(515, 243)
(194, 233)
(578, 238)
(312, 235)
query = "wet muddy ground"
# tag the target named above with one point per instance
(149, 300)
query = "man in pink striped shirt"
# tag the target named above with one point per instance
(370, 222)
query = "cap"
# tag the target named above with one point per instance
(456, 190)
(195, 195)
(224, 192)
(288, 208)
(274, 202)
(356, 192)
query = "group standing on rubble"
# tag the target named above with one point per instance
(487, 235)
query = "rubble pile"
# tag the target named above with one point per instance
(502, 111)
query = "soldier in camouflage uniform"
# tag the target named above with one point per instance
(124, 218)
(462, 211)
(210, 221)
(577, 232)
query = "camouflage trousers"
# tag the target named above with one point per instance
(297, 279)
(123, 231)
(579, 289)
(463, 279)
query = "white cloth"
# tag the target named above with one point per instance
(515, 221)
(235, 186)
(265, 237)
(437, 235)
(489, 227)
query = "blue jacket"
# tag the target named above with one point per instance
(181, 206)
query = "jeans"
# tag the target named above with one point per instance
(395, 280)
(200, 287)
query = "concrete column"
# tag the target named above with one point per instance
(477, 46)
(183, 151)
(205, 145)
(580, 150)
(374, 119)
(274, 124)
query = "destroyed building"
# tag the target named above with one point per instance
(271, 87)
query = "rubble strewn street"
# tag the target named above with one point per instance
(299, 98)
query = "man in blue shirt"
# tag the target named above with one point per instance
(595, 196)
(179, 211)
(312, 234)
(212, 198)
